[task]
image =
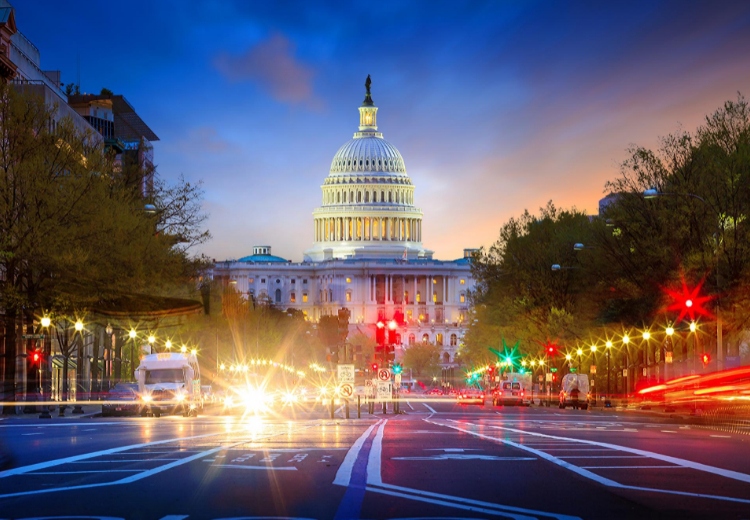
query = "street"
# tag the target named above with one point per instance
(436, 460)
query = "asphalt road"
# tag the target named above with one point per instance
(437, 460)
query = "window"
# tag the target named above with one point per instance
(425, 338)
(446, 358)
(262, 280)
(278, 281)
(439, 338)
(454, 340)
(294, 281)
(304, 297)
(293, 298)
(278, 296)
(348, 296)
(434, 281)
(251, 280)
(462, 281)
(462, 298)
(412, 339)
(348, 280)
(434, 297)
(419, 297)
(304, 280)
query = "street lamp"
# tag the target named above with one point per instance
(626, 342)
(593, 371)
(151, 341)
(132, 335)
(46, 322)
(608, 347)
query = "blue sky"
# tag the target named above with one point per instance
(495, 106)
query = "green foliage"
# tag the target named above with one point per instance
(422, 359)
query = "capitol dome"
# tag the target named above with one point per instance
(368, 199)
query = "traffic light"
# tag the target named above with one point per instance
(397, 368)
(344, 315)
(36, 357)
(706, 359)
(374, 367)
(391, 352)
(392, 336)
(380, 333)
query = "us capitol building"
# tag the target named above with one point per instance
(367, 253)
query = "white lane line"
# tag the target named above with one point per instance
(344, 474)
(409, 405)
(90, 430)
(588, 474)
(631, 467)
(735, 475)
(430, 408)
(722, 436)
(374, 459)
(174, 517)
(35, 433)
(119, 460)
(57, 462)
(568, 449)
(85, 472)
(602, 457)
(669, 431)
(266, 468)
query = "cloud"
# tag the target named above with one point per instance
(203, 139)
(272, 65)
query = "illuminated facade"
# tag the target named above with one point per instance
(367, 253)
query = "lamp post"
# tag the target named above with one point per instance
(593, 371)
(607, 401)
(45, 322)
(653, 193)
(626, 342)
(670, 332)
(132, 335)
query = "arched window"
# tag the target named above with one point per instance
(359, 196)
(351, 196)
(462, 297)
(278, 296)
(338, 198)
(382, 196)
(446, 358)
(439, 338)
(454, 340)
(390, 196)
(348, 296)
(344, 197)
(293, 298)
(425, 338)
(367, 196)
(412, 339)
(330, 295)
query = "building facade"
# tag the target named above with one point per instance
(367, 254)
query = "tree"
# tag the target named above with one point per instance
(422, 358)
(73, 230)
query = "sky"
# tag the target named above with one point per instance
(496, 107)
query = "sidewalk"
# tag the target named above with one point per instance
(88, 411)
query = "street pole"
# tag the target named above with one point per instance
(607, 401)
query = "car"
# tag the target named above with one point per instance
(122, 399)
(435, 391)
(470, 396)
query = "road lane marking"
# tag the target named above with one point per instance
(735, 475)
(265, 468)
(344, 474)
(157, 459)
(375, 484)
(430, 408)
(57, 462)
(35, 433)
(467, 456)
(409, 405)
(609, 482)
(602, 457)
(631, 467)
(722, 436)
(86, 472)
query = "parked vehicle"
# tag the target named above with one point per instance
(574, 391)
(169, 382)
(515, 389)
(122, 399)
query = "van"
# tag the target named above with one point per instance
(574, 391)
(514, 389)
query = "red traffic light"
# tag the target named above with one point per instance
(380, 333)
(35, 357)
(706, 359)
(374, 367)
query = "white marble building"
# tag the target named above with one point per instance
(367, 253)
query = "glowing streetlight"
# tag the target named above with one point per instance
(579, 351)
(78, 325)
(625, 339)
(46, 321)
(670, 331)
(151, 339)
(608, 344)
(593, 348)
(693, 326)
(132, 334)
(647, 335)
(168, 344)
(183, 349)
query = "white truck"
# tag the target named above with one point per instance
(514, 389)
(574, 391)
(169, 382)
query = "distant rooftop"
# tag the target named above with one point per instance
(132, 127)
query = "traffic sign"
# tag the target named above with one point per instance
(346, 390)
(384, 374)
(397, 379)
(346, 373)
(32, 336)
(384, 390)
